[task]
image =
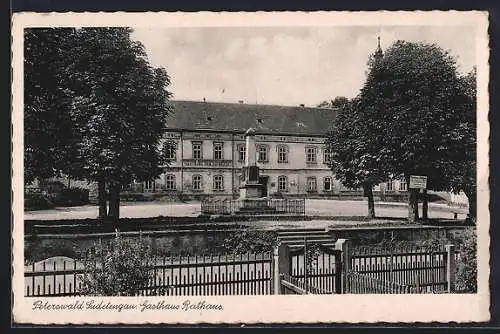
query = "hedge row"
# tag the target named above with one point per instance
(66, 197)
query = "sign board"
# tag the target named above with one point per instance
(418, 182)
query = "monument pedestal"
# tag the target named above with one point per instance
(255, 206)
(251, 201)
(251, 190)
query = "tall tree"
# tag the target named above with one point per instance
(464, 175)
(49, 136)
(415, 99)
(355, 143)
(102, 108)
(120, 106)
(352, 159)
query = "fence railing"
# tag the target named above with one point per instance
(245, 274)
(358, 283)
(323, 271)
(291, 285)
(418, 267)
(298, 286)
(259, 206)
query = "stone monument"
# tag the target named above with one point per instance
(252, 202)
(251, 187)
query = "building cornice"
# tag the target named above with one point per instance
(242, 132)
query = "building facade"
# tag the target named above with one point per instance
(205, 146)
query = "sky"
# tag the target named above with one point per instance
(283, 65)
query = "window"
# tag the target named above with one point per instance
(149, 185)
(218, 182)
(403, 186)
(390, 186)
(282, 153)
(170, 149)
(196, 182)
(197, 152)
(170, 182)
(218, 151)
(327, 156)
(263, 153)
(311, 183)
(311, 154)
(327, 183)
(241, 152)
(282, 183)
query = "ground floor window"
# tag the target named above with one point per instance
(327, 183)
(148, 185)
(170, 182)
(390, 186)
(403, 186)
(196, 182)
(311, 183)
(282, 183)
(218, 182)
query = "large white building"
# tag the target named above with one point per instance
(206, 148)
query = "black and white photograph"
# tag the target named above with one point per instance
(172, 167)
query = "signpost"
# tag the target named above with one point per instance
(418, 182)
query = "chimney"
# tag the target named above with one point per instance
(204, 100)
(241, 102)
(302, 104)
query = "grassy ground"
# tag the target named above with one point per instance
(314, 207)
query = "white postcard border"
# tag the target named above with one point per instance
(261, 309)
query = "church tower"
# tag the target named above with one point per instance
(378, 53)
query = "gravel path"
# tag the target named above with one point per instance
(314, 207)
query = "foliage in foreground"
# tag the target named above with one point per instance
(122, 268)
(466, 273)
(247, 241)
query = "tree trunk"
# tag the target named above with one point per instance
(368, 189)
(101, 197)
(114, 202)
(471, 196)
(412, 206)
(425, 205)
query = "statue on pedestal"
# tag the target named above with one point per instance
(251, 187)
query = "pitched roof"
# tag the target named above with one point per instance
(240, 116)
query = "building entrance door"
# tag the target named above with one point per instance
(264, 180)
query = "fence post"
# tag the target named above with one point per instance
(450, 268)
(282, 265)
(344, 246)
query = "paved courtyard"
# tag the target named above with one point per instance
(314, 207)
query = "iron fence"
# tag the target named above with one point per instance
(422, 267)
(257, 206)
(358, 283)
(245, 274)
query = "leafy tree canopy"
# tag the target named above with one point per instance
(338, 102)
(48, 136)
(94, 107)
(415, 115)
(417, 109)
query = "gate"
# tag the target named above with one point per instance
(310, 269)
